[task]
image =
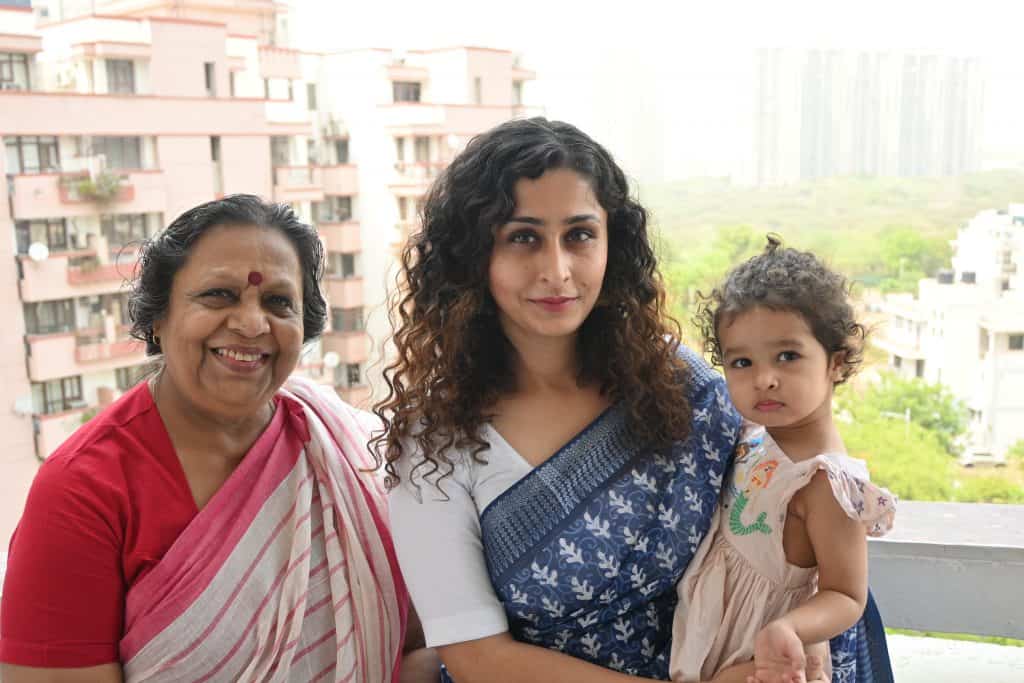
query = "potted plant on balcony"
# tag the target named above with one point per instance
(102, 188)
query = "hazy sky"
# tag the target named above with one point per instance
(668, 86)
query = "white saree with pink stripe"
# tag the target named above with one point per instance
(288, 573)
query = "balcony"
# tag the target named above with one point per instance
(52, 356)
(341, 179)
(343, 238)
(351, 347)
(28, 113)
(52, 430)
(279, 62)
(298, 184)
(359, 397)
(413, 178)
(19, 42)
(344, 292)
(73, 274)
(904, 346)
(50, 195)
(419, 118)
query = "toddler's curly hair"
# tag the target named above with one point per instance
(785, 279)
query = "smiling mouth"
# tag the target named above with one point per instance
(248, 357)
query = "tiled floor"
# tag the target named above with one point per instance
(933, 660)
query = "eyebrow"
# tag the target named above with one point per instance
(733, 350)
(578, 218)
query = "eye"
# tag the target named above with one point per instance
(523, 237)
(217, 295)
(789, 356)
(280, 301)
(580, 235)
(739, 363)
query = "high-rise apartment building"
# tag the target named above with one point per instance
(824, 113)
(117, 115)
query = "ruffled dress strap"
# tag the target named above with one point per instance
(870, 504)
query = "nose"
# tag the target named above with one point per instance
(248, 318)
(766, 379)
(555, 264)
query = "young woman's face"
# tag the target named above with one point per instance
(779, 375)
(549, 259)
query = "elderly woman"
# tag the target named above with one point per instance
(219, 521)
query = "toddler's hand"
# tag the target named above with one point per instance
(779, 655)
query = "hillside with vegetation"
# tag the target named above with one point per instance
(885, 234)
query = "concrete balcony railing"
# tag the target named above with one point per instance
(952, 568)
(279, 62)
(73, 274)
(343, 238)
(298, 184)
(54, 195)
(52, 356)
(344, 292)
(351, 347)
(904, 346)
(340, 179)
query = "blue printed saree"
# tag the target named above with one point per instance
(585, 551)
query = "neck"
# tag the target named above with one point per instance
(193, 430)
(813, 436)
(546, 365)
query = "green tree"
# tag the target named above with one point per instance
(932, 406)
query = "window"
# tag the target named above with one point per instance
(341, 151)
(919, 368)
(120, 76)
(403, 208)
(53, 232)
(421, 148)
(50, 317)
(280, 150)
(478, 90)
(341, 265)
(32, 154)
(897, 362)
(347, 319)
(311, 96)
(334, 209)
(291, 90)
(231, 83)
(215, 149)
(517, 92)
(210, 75)
(14, 72)
(120, 152)
(405, 91)
(1017, 342)
(58, 395)
(266, 88)
(127, 378)
(353, 375)
(124, 229)
(400, 149)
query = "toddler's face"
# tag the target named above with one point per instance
(779, 375)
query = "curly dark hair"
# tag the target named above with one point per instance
(453, 360)
(162, 256)
(784, 279)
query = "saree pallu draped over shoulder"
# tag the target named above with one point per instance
(585, 551)
(288, 574)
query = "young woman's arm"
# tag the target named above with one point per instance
(502, 659)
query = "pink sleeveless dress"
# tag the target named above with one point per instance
(739, 580)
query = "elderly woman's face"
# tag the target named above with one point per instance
(233, 329)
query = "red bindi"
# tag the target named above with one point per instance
(255, 278)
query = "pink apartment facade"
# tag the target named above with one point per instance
(114, 123)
